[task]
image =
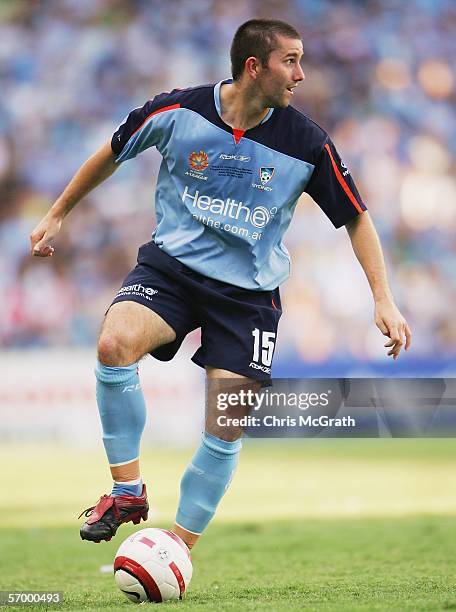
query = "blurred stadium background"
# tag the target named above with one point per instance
(380, 78)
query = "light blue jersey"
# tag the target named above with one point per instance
(225, 197)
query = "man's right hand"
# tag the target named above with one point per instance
(93, 172)
(42, 235)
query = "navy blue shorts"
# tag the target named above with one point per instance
(238, 326)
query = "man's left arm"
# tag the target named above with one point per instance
(368, 250)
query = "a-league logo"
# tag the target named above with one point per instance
(198, 160)
(266, 175)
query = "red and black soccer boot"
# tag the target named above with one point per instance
(105, 518)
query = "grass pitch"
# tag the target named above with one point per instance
(319, 525)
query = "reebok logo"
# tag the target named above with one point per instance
(257, 366)
(242, 158)
(130, 388)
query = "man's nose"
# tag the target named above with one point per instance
(299, 73)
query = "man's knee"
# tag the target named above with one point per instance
(116, 349)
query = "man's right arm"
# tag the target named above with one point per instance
(93, 172)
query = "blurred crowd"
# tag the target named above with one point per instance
(379, 78)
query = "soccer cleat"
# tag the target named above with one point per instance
(105, 518)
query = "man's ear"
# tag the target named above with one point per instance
(252, 66)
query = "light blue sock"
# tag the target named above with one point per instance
(122, 413)
(127, 488)
(205, 481)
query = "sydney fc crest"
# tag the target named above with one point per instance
(266, 175)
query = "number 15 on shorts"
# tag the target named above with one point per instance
(263, 346)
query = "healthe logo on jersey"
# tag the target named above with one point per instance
(198, 161)
(259, 216)
(266, 175)
(346, 171)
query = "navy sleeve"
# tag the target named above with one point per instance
(332, 187)
(134, 126)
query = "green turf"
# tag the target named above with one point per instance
(311, 479)
(368, 564)
(321, 525)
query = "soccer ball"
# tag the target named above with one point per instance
(153, 565)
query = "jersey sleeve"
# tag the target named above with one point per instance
(140, 130)
(332, 187)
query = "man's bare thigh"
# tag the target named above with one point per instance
(131, 330)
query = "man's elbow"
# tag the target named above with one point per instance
(357, 221)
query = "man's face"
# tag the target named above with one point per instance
(282, 74)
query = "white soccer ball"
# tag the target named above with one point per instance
(153, 565)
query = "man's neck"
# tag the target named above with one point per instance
(240, 108)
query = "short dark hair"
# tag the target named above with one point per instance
(258, 38)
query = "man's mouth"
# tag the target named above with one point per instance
(290, 89)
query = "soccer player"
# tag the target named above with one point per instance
(236, 158)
